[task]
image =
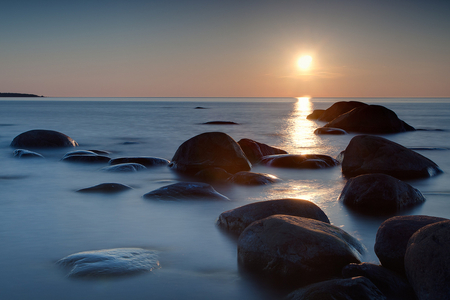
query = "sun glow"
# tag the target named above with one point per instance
(304, 62)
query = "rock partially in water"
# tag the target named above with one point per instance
(186, 191)
(255, 151)
(252, 178)
(316, 114)
(299, 161)
(86, 158)
(106, 188)
(41, 138)
(220, 123)
(81, 152)
(126, 167)
(22, 153)
(146, 161)
(329, 130)
(339, 108)
(110, 262)
(213, 175)
(236, 220)
(366, 154)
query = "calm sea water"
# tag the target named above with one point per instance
(43, 219)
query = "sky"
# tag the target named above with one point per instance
(228, 48)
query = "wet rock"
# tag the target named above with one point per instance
(186, 191)
(427, 261)
(339, 108)
(299, 161)
(127, 167)
(391, 284)
(375, 119)
(80, 152)
(252, 178)
(86, 158)
(255, 151)
(329, 130)
(210, 150)
(213, 175)
(22, 153)
(146, 161)
(295, 250)
(357, 288)
(220, 123)
(110, 262)
(379, 193)
(392, 239)
(366, 154)
(236, 220)
(106, 188)
(316, 114)
(40, 138)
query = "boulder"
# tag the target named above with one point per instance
(106, 188)
(236, 220)
(316, 114)
(185, 191)
(427, 261)
(22, 153)
(146, 161)
(357, 288)
(366, 154)
(392, 239)
(210, 150)
(375, 119)
(82, 152)
(299, 161)
(296, 251)
(213, 175)
(379, 193)
(252, 178)
(40, 138)
(127, 167)
(255, 151)
(110, 262)
(338, 109)
(329, 130)
(86, 158)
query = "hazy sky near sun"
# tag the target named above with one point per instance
(242, 48)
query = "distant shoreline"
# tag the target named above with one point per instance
(18, 95)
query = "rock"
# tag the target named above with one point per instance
(143, 160)
(85, 158)
(427, 261)
(357, 288)
(391, 284)
(296, 251)
(366, 154)
(106, 188)
(22, 153)
(299, 161)
(210, 150)
(236, 220)
(252, 178)
(213, 175)
(379, 193)
(220, 123)
(392, 239)
(373, 119)
(339, 108)
(186, 191)
(316, 114)
(80, 152)
(255, 151)
(110, 262)
(127, 167)
(329, 130)
(200, 107)
(40, 138)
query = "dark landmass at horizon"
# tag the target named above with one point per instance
(18, 95)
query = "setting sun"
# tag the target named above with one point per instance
(304, 62)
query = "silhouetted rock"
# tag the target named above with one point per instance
(299, 161)
(142, 160)
(236, 220)
(213, 175)
(220, 123)
(329, 130)
(338, 109)
(427, 261)
(374, 119)
(18, 95)
(366, 154)
(296, 250)
(86, 158)
(210, 150)
(379, 193)
(185, 191)
(22, 153)
(252, 178)
(106, 188)
(255, 151)
(40, 138)
(392, 239)
(126, 167)
(316, 114)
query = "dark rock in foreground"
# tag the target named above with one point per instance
(329, 130)
(299, 161)
(213, 175)
(22, 153)
(40, 138)
(392, 239)
(126, 167)
(379, 193)
(186, 191)
(357, 288)
(111, 262)
(146, 161)
(106, 188)
(427, 261)
(252, 178)
(236, 220)
(366, 154)
(255, 151)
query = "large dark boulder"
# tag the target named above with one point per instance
(357, 288)
(295, 250)
(146, 161)
(252, 178)
(392, 239)
(427, 261)
(336, 110)
(236, 220)
(185, 191)
(299, 161)
(379, 193)
(255, 151)
(210, 150)
(366, 154)
(40, 138)
(374, 119)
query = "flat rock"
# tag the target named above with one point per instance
(329, 130)
(126, 167)
(252, 178)
(106, 188)
(186, 191)
(220, 123)
(255, 151)
(146, 161)
(299, 161)
(22, 153)
(41, 138)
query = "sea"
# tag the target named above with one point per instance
(43, 218)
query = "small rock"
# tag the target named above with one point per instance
(220, 123)
(185, 191)
(84, 158)
(106, 188)
(146, 161)
(127, 167)
(22, 153)
(299, 161)
(329, 130)
(252, 178)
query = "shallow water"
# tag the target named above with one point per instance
(43, 219)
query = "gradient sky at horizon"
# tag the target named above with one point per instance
(134, 48)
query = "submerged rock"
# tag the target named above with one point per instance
(22, 153)
(40, 138)
(252, 178)
(106, 188)
(299, 161)
(110, 262)
(185, 191)
(146, 161)
(220, 123)
(126, 167)
(255, 151)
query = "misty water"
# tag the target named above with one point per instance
(43, 218)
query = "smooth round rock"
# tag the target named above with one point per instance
(186, 191)
(22, 153)
(85, 158)
(331, 131)
(252, 178)
(255, 151)
(299, 161)
(126, 167)
(106, 188)
(146, 161)
(40, 138)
